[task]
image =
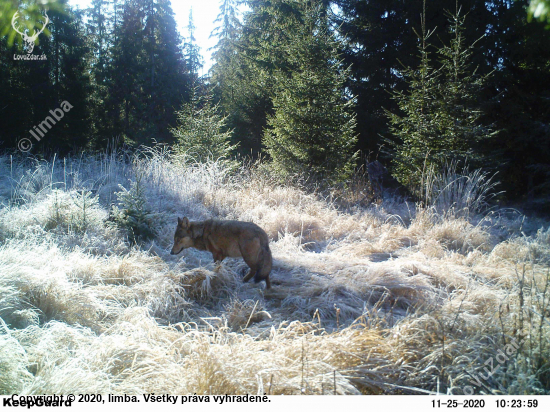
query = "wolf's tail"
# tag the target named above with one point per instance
(265, 261)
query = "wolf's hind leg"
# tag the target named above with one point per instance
(250, 274)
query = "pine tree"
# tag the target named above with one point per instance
(312, 128)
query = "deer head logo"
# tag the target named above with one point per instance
(29, 40)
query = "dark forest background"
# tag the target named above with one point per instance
(322, 86)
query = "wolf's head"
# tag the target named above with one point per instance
(183, 236)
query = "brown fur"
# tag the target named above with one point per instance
(228, 238)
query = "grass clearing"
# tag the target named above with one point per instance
(384, 298)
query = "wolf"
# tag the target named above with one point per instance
(228, 238)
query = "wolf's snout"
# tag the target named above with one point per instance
(174, 251)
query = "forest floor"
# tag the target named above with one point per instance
(367, 298)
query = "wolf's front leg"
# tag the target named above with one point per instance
(218, 257)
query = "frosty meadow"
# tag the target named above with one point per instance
(367, 298)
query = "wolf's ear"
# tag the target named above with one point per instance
(184, 223)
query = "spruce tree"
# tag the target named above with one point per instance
(71, 71)
(459, 115)
(415, 132)
(380, 42)
(247, 57)
(192, 51)
(440, 119)
(64, 76)
(225, 52)
(201, 132)
(147, 73)
(228, 20)
(100, 29)
(312, 130)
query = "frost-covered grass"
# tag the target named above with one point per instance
(385, 298)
